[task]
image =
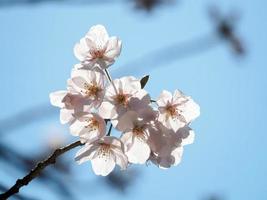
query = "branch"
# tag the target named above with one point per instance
(37, 170)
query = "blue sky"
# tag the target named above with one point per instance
(229, 154)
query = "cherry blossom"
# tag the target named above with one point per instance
(176, 110)
(89, 127)
(72, 105)
(97, 48)
(136, 131)
(89, 84)
(122, 95)
(167, 145)
(104, 154)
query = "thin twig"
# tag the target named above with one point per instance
(109, 130)
(37, 170)
(111, 81)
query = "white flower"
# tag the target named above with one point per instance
(167, 145)
(89, 84)
(177, 110)
(89, 127)
(127, 95)
(104, 155)
(97, 48)
(136, 131)
(72, 105)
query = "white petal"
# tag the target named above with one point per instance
(107, 110)
(113, 48)
(120, 158)
(77, 128)
(113, 141)
(164, 97)
(177, 154)
(86, 153)
(191, 110)
(139, 152)
(103, 164)
(66, 116)
(98, 34)
(81, 50)
(189, 139)
(57, 97)
(127, 140)
(175, 124)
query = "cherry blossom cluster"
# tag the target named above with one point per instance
(150, 130)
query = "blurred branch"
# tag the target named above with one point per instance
(170, 53)
(26, 116)
(38, 169)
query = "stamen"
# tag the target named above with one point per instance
(121, 99)
(91, 90)
(93, 124)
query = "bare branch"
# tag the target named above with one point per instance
(38, 169)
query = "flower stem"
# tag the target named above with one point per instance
(110, 80)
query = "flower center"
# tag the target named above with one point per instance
(121, 99)
(104, 151)
(91, 90)
(97, 53)
(93, 124)
(171, 110)
(138, 131)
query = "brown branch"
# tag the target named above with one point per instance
(37, 170)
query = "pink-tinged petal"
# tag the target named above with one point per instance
(103, 164)
(130, 84)
(127, 139)
(98, 34)
(77, 128)
(113, 48)
(177, 96)
(56, 98)
(174, 124)
(187, 135)
(77, 83)
(81, 50)
(164, 97)
(66, 116)
(177, 154)
(89, 137)
(120, 158)
(143, 96)
(139, 152)
(107, 110)
(147, 114)
(86, 153)
(78, 66)
(112, 141)
(126, 121)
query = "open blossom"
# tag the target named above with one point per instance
(71, 105)
(89, 127)
(136, 130)
(97, 48)
(167, 145)
(89, 84)
(127, 95)
(176, 110)
(104, 154)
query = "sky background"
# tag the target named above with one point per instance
(228, 157)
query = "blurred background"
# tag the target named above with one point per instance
(212, 50)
